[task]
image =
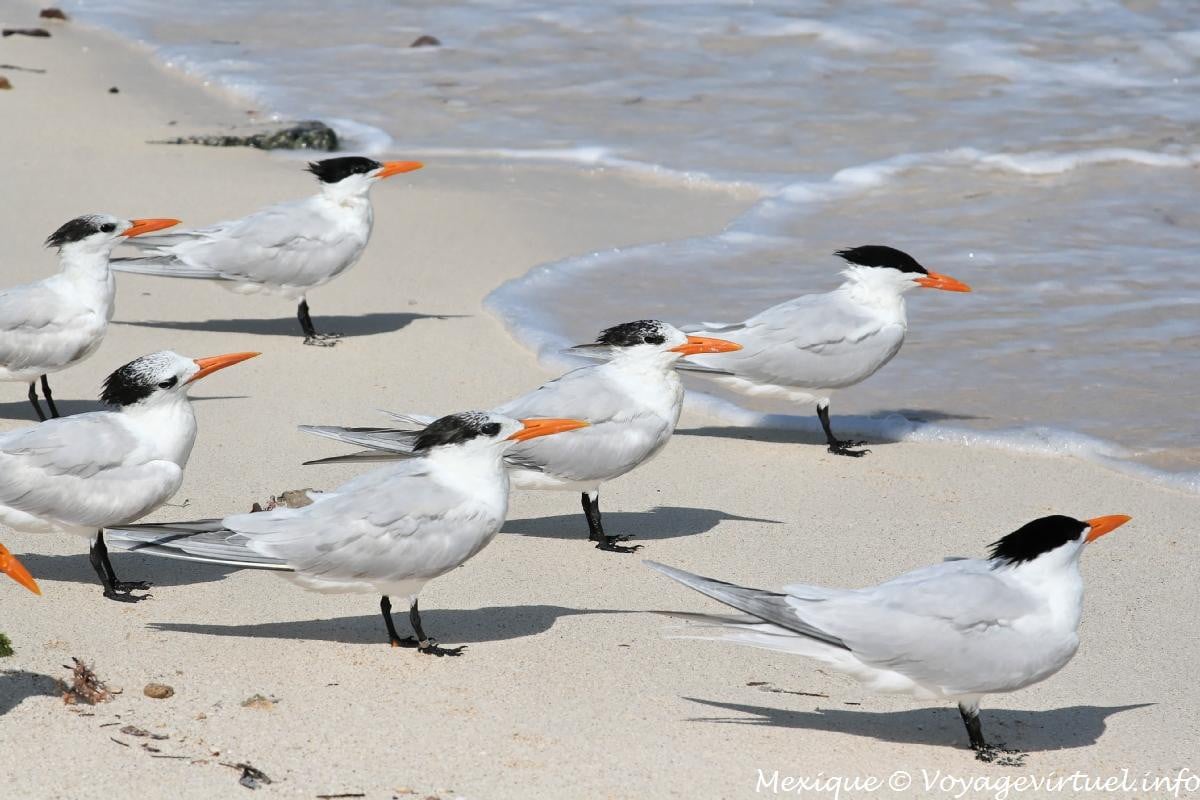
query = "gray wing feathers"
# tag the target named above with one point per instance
(204, 540)
(165, 265)
(767, 606)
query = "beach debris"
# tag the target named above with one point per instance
(158, 691)
(343, 794)
(765, 686)
(53, 13)
(85, 687)
(4, 84)
(426, 41)
(23, 69)
(133, 730)
(306, 135)
(5, 643)
(252, 776)
(113, 90)
(37, 33)
(291, 498)
(260, 702)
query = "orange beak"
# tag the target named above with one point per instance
(213, 363)
(16, 570)
(544, 427)
(141, 226)
(703, 344)
(391, 168)
(935, 280)
(1102, 525)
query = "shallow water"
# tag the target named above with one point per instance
(1043, 152)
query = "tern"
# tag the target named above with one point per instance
(14, 569)
(958, 630)
(805, 348)
(387, 532)
(631, 402)
(286, 249)
(59, 321)
(81, 473)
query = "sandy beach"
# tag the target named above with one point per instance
(568, 687)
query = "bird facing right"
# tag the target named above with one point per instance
(286, 249)
(959, 630)
(58, 321)
(805, 348)
(387, 532)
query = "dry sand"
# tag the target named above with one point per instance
(567, 688)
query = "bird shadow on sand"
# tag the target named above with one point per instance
(159, 572)
(451, 626)
(22, 410)
(1027, 731)
(663, 522)
(17, 684)
(802, 430)
(345, 324)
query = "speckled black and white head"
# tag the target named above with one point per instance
(472, 431)
(886, 268)
(348, 175)
(1057, 536)
(161, 376)
(650, 340)
(100, 233)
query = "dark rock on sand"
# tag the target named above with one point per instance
(38, 33)
(307, 135)
(426, 41)
(53, 13)
(4, 84)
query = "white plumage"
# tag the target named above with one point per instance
(81, 473)
(957, 630)
(59, 321)
(387, 532)
(631, 402)
(286, 249)
(804, 349)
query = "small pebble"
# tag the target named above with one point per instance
(4, 84)
(53, 13)
(426, 41)
(114, 90)
(159, 691)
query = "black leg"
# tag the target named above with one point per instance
(837, 446)
(425, 644)
(310, 332)
(591, 510)
(113, 588)
(34, 400)
(385, 605)
(970, 718)
(49, 399)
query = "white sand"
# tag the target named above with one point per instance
(567, 688)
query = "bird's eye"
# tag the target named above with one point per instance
(654, 339)
(108, 227)
(167, 384)
(491, 429)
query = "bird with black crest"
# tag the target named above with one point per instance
(804, 349)
(55, 323)
(80, 473)
(387, 532)
(958, 630)
(287, 249)
(631, 401)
